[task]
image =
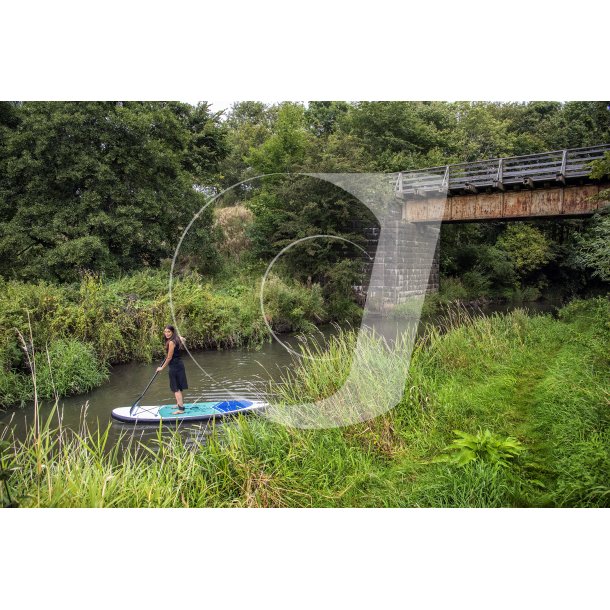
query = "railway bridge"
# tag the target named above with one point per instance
(554, 184)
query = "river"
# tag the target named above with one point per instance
(212, 374)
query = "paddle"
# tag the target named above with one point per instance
(135, 404)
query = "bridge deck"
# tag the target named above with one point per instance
(558, 167)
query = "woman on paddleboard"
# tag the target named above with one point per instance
(177, 374)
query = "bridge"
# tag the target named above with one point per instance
(547, 184)
(553, 184)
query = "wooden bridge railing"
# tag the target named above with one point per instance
(555, 166)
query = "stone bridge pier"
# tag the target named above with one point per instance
(406, 261)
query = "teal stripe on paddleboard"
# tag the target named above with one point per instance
(191, 410)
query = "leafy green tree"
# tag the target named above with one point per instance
(401, 135)
(577, 124)
(102, 186)
(600, 170)
(249, 125)
(323, 118)
(483, 132)
(285, 149)
(298, 207)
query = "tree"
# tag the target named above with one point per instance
(401, 135)
(249, 125)
(285, 149)
(592, 249)
(101, 186)
(323, 118)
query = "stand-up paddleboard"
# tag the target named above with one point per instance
(197, 411)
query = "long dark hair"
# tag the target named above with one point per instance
(176, 338)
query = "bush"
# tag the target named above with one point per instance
(13, 388)
(68, 367)
(476, 284)
(527, 247)
(592, 249)
(452, 289)
(292, 307)
(524, 294)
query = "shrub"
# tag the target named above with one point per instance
(452, 289)
(476, 284)
(292, 306)
(526, 246)
(483, 446)
(67, 367)
(12, 387)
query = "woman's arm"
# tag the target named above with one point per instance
(170, 355)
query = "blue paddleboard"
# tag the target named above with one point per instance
(196, 411)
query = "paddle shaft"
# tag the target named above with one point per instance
(133, 406)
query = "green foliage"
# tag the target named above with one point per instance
(526, 246)
(291, 306)
(536, 378)
(285, 148)
(323, 118)
(401, 135)
(452, 289)
(67, 367)
(482, 446)
(101, 186)
(6, 500)
(64, 367)
(391, 136)
(121, 321)
(410, 309)
(289, 212)
(13, 387)
(477, 484)
(249, 126)
(601, 168)
(338, 291)
(592, 249)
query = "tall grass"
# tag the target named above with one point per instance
(539, 380)
(121, 321)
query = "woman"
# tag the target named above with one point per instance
(177, 374)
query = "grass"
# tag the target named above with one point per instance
(87, 326)
(542, 381)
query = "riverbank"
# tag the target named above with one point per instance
(539, 385)
(76, 331)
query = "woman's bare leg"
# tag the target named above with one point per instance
(179, 402)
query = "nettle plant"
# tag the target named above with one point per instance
(482, 446)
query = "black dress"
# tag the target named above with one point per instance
(177, 374)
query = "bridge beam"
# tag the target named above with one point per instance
(554, 202)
